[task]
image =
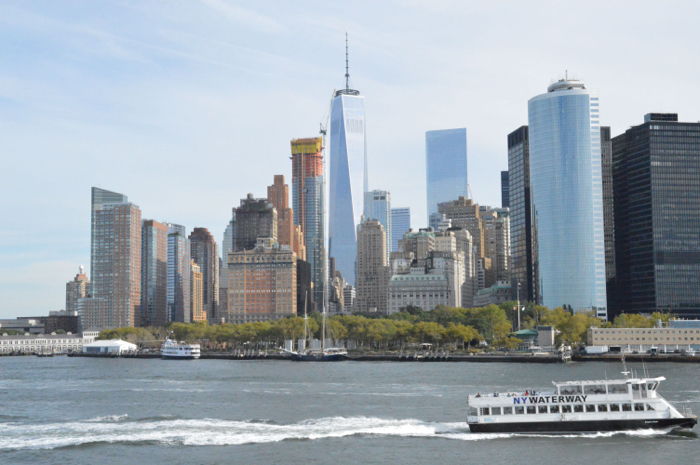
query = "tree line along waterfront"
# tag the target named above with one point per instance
(448, 327)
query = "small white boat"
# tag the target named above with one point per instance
(173, 350)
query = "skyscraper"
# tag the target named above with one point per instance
(197, 294)
(348, 175)
(100, 197)
(372, 273)
(565, 173)
(116, 246)
(255, 218)
(205, 253)
(400, 224)
(656, 180)
(154, 273)
(377, 206)
(505, 190)
(465, 214)
(608, 212)
(179, 280)
(446, 166)
(497, 241)
(523, 235)
(308, 204)
(278, 196)
(79, 288)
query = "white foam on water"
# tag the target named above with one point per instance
(206, 432)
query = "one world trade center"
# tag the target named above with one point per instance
(348, 175)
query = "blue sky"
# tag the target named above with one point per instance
(187, 106)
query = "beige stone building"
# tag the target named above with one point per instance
(287, 233)
(262, 283)
(197, 294)
(79, 288)
(668, 338)
(373, 274)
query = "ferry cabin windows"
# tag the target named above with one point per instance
(649, 407)
(495, 410)
(626, 407)
(652, 386)
(590, 408)
(602, 408)
(638, 407)
(614, 407)
(507, 410)
(542, 409)
(617, 389)
(485, 411)
(519, 410)
(594, 389)
(553, 409)
(569, 389)
(578, 408)
(531, 410)
(566, 409)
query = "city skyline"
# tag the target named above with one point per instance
(125, 149)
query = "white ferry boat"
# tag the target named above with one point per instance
(578, 406)
(174, 350)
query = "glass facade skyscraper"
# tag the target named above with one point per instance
(566, 181)
(446, 166)
(348, 178)
(100, 197)
(400, 224)
(378, 207)
(505, 190)
(656, 179)
(523, 235)
(308, 205)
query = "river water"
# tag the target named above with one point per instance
(64, 410)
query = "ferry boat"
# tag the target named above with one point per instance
(173, 350)
(579, 406)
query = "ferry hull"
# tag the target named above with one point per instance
(590, 426)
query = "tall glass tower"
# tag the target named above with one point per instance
(348, 176)
(567, 193)
(378, 207)
(446, 166)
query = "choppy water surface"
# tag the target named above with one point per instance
(114, 411)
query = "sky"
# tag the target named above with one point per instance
(187, 106)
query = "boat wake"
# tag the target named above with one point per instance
(169, 430)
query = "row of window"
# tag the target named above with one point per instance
(565, 408)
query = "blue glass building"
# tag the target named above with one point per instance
(348, 178)
(400, 224)
(567, 194)
(446, 166)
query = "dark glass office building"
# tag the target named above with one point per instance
(523, 236)
(656, 188)
(505, 191)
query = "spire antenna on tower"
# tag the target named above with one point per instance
(347, 67)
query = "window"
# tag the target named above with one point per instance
(594, 389)
(566, 409)
(617, 389)
(485, 411)
(497, 410)
(602, 408)
(638, 407)
(541, 409)
(578, 408)
(554, 409)
(590, 408)
(531, 410)
(626, 407)
(519, 410)
(507, 410)
(570, 390)
(614, 407)
(649, 407)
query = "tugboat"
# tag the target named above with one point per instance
(579, 407)
(173, 350)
